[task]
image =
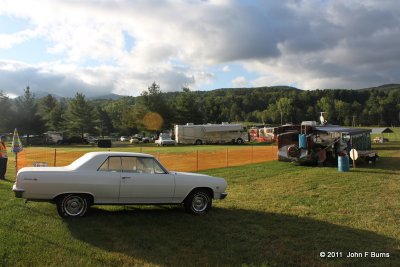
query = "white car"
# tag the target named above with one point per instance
(165, 140)
(117, 178)
(124, 138)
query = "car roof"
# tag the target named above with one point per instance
(94, 159)
(120, 154)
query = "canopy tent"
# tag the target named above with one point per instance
(360, 138)
(341, 129)
(381, 130)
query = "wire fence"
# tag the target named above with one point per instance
(184, 161)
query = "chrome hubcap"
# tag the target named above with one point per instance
(199, 203)
(74, 206)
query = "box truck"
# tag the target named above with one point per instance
(210, 133)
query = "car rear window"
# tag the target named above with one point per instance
(112, 164)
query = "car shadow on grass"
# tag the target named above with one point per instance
(388, 163)
(167, 236)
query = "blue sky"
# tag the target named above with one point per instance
(100, 47)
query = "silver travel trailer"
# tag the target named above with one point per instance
(210, 133)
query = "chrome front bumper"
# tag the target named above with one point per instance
(223, 195)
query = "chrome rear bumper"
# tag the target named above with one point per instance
(17, 191)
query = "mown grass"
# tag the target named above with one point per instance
(276, 214)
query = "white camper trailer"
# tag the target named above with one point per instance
(210, 133)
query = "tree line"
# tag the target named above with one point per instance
(154, 110)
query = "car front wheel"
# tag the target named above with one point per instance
(198, 202)
(72, 205)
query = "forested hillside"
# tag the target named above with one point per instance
(154, 110)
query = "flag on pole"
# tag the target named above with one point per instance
(16, 145)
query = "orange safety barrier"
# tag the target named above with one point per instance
(189, 161)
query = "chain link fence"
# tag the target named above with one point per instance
(184, 161)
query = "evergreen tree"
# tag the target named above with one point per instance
(154, 100)
(105, 124)
(52, 113)
(80, 117)
(187, 108)
(6, 113)
(133, 118)
(27, 118)
(116, 109)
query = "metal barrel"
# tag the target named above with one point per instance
(302, 141)
(343, 164)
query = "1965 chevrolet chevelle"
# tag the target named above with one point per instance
(117, 178)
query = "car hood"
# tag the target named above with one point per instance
(190, 173)
(199, 176)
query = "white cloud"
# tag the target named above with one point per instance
(226, 68)
(240, 81)
(8, 40)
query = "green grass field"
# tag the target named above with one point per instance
(276, 214)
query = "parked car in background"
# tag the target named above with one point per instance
(118, 178)
(52, 137)
(73, 140)
(147, 139)
(138, 137)
(124, 138)
(165, 140)
(134, 140)
(92, 140)
(33, 140)
(381, 140)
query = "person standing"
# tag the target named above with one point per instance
(3, 157)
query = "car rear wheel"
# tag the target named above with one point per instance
(198, 202)
(72, 205)
(198, 142)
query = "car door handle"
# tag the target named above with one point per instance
(125, 177)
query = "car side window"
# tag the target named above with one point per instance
(144, 165)
(129, 164)
(112, 164)
(141, 165)
(152, 166)
(132, 164)
(157, 168)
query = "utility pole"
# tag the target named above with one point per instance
(353, 124)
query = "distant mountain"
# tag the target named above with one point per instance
(219, 91)
(41, 94)
(269, 88)
(384, 87)
(106, 97)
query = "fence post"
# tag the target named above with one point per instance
(197, 161)
(252, 152)
(55, 157)
(227, 159)
(16, 165)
